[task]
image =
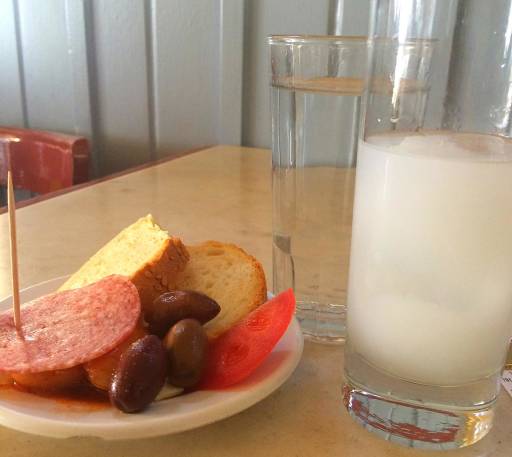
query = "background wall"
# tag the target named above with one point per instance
(147, 78)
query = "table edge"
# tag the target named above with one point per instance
(127, 171)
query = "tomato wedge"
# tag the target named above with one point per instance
(237, 353)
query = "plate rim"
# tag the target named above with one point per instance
(145, 425)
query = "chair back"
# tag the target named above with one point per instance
(42, 161)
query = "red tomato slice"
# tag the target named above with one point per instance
(238, 352)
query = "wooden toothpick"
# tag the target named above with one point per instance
(11, 205)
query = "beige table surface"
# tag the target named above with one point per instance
(220, 193)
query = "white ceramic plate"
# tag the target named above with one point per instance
(49, 417)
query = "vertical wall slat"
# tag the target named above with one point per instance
(263, 18)
(11, 77)
(143, 79)
(149, 11)
(441, 61)
(186, 59)
(231, 48)
(47, 65)
(76, 35)
(349, 17)
(120, 86)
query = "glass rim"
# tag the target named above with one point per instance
(402, 42)
(316, 39)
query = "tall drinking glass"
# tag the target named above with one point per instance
(430, 289)
(316, 88)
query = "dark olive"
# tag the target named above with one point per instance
(186, 345)
(171, 307)
(139, 376)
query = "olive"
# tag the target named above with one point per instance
(139, 376)
(171, 307)
(186, 344)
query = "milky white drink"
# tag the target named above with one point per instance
(430, 288)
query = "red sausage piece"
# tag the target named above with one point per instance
(68, 328)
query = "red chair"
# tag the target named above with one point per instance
(41, 161)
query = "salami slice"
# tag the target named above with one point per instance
(68, 328)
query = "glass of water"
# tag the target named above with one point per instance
(430, 295)
(316, 89)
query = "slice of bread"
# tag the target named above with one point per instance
(233, 278)
(144, 253)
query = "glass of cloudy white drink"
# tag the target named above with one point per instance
(430, 290)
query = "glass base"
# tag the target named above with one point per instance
(416, 415)
(322, 323)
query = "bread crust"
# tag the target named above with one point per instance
(160, 273)
(155, 275)
(256, 283)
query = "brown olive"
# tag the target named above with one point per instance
(186, 344)
(171, 307)
(139, 376)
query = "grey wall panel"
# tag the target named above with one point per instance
(45, 77)
(146, 78)
(186, 59)
(77, 32)
(349, 17)
(263, 18)
(119, 83)
(231, 51)
(11, 82)
(47, 65)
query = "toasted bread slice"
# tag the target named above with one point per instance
(144, 253)
(233, 278)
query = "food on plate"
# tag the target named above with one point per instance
(228, 275)
(175, 305)
(186, 345)
(140, 375)
(144, 310)
(169, 391)
(100, 371)
(69, 328)
(51, 381)
(142, 252)
(238, 352)
(5, 379)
